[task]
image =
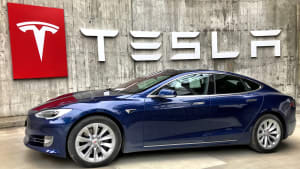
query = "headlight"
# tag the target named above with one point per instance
(52, 113)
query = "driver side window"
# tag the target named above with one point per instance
(194, 84)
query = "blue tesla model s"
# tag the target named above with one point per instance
(166, 110)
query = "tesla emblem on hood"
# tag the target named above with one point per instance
(39, 34)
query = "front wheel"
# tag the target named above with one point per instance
(94, 141)
(266, 134)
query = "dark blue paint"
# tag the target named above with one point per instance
(159, 121)
(175, 120)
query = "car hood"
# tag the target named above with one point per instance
(77, 97)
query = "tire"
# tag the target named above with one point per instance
(94, 150)
(264, 130)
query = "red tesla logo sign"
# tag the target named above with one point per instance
(38, 45)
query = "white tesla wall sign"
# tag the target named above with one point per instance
(214, 49)
(145, 45)
(263, 33)
(39, 34)
(100, 34)
(148, 46)
(191, 45)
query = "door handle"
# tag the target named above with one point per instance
(198, 103)
(251, 100)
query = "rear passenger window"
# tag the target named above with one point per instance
(229, 84)
(250, 85)
(232, 84)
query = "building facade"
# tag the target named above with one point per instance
(231, 21)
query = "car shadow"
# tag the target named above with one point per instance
(41, 160)
(218, 151)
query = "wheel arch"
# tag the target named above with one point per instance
(279, 116)
(114, 119)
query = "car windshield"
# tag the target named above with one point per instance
(142, 83)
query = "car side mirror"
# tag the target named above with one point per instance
(167, 93)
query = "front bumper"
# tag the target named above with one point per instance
(58, 129)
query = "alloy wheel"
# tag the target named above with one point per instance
(268, 133)
(95, 142)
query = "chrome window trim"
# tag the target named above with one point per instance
(180, 144)
(206, 95)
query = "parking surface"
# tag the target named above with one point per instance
(14, 155)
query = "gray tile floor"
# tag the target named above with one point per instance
(14, 155)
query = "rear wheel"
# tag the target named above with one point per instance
(94, 141)
(266, 134)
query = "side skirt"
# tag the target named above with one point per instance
(194, 143)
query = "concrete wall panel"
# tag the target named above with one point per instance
(232, 19)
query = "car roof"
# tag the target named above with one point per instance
(176, 71)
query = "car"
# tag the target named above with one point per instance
(165, 110)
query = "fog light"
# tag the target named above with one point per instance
(48, 140)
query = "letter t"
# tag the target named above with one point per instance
(100, 39)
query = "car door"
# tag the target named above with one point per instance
(233, 107)
(178, 120)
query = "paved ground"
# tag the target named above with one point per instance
(14, 155)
